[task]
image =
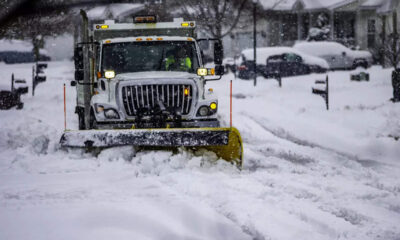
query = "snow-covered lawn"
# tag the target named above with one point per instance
(308, 173)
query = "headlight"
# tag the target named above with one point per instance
(109, 74)
(111, 114)
(203, 111)
(207, 110)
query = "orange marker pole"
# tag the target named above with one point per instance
(65, 112)
(231, 105)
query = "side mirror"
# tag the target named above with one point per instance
(219, 70)
(73, 83)
(78, 57)
(218, 53)
(79, 75)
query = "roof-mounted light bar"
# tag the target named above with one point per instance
(145, 19)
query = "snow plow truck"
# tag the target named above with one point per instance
(143, 84)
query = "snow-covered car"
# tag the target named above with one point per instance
(18, 51)
(284, 61)
(337, 55)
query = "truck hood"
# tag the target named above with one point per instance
(155, 74)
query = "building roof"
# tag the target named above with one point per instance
(287, 5)
(373, 3)
(290, 5)
(387, 6)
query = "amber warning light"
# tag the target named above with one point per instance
(145, 19)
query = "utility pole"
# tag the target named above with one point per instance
(86, 79)
(255, 40)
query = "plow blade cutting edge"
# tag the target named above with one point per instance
(225, 142)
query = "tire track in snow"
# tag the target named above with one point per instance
(282, 134)
(347, 213)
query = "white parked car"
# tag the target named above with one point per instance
(337, 55)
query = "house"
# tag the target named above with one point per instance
(355, 23)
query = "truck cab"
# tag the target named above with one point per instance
(145, 74)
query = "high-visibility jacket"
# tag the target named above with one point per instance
(184, 64)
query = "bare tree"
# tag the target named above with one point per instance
(36, 25)
(218, 17)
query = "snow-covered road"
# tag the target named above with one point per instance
(308, 173)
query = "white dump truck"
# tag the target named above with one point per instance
(143, 84)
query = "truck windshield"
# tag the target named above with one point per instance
(127, 57)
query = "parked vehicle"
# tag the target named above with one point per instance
(292, 64)
(337, 55)
(284, 61)
(246, 69)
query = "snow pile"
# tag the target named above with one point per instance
(308, 172)
(264, 53)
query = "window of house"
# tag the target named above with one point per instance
(371, 33)
(289, 27)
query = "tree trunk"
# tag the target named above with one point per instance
(395, 39)
(382, 48)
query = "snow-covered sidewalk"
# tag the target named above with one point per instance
(309, 173)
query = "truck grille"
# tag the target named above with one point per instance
(147, 99)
